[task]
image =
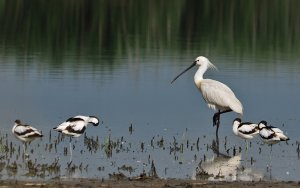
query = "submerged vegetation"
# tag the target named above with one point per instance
(15, 165)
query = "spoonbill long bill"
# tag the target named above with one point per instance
(217, 95)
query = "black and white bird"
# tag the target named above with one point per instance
(271, 135)
(75, 126)
(25, 133)
(245, 130)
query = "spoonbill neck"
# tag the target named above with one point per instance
(199, 74)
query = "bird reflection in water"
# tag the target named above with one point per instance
(222, 167)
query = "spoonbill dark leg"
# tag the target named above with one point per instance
(216, 118)
(217, 129)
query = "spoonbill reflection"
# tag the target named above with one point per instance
(217, 95)
(225, 169)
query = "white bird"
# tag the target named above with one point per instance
(75, 126)
(25, 133)
(217, 95)
(245, 130)
(271, 135)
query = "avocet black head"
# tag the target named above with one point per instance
(262, 124)
(94, 120)
(237, 120)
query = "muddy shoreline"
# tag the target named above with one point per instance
(142, 183)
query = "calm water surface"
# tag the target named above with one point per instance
(129, 84)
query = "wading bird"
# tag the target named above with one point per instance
(75, 126)
(217, 95)
(245, 130)
(25, 133)
(271, 135)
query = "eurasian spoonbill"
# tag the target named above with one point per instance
(217, 95)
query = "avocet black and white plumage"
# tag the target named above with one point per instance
(25, 133)
(271, 135)
(75, 126)
(245, 130)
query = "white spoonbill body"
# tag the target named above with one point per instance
(25, 133)
(217, 95)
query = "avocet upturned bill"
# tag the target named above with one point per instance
(217, 95)
(25, 133)
(245, 130)
(271, 135)
(75, 126)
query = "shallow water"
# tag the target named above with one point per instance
(127, 82)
